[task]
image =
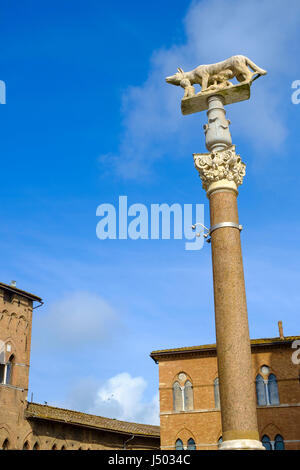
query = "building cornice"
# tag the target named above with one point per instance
(20, 292)
(210, 349)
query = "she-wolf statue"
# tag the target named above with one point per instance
(216, 76)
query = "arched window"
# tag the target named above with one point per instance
(26, 445)
(54, 447)
(220, 440)
(188, 398)
(177, 397)
(179, 444)
(9, 367)
(63, 448)
(183, 397)
(279, 443)
(266, 442)
(191, 444)
(36, 446)
(6, 371)
(267, 390)
(261, 391)
(2, 372)
(217, 393)
(5, 445)
(273, 390)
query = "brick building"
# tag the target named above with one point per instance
(27, 426)
(189, 395)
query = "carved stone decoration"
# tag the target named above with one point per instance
(182, 376)
(217, 133)
(220, 165)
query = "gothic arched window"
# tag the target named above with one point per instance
(177, 397)
(6, 371)
(273, 390)
(183, 398)
(217, 393)
(188, 399)
(261, 391)
(2, 373)
(9, 367)
(179, 444)
(5, 445)
(266, 442)
(279, 443)
(267, 390)
(191, 444)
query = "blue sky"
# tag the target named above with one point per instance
(89, 117)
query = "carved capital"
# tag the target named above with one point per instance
(220, 166)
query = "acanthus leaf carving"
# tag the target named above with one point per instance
(220, 165)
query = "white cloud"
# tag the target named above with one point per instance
(264, 30)
(78, 320)
(123, 397)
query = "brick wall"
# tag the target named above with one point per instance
(203, 424)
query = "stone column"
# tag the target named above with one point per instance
(221, 172)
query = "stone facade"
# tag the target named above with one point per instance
(202, 423)
(32, 426)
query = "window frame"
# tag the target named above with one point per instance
(176, 388)
(7, 370)
(183, 401)
(26, 446)
(217, 393)
(279, 440)
(179, 441)
(266, 440)
(191, 445)
(266, 387)
(5, 444)
(273, 444)
(184, 395)
(274, 381)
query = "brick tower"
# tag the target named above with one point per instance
(16, 307)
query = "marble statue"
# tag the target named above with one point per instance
(216, 76)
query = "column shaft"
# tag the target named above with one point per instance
(237, 390)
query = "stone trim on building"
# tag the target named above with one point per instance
(211, 348)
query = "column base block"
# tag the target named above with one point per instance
(231, 94)
(241, 444)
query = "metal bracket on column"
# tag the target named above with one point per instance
(225, 224)
(221, 225)
(205, 230)
(208, 233)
